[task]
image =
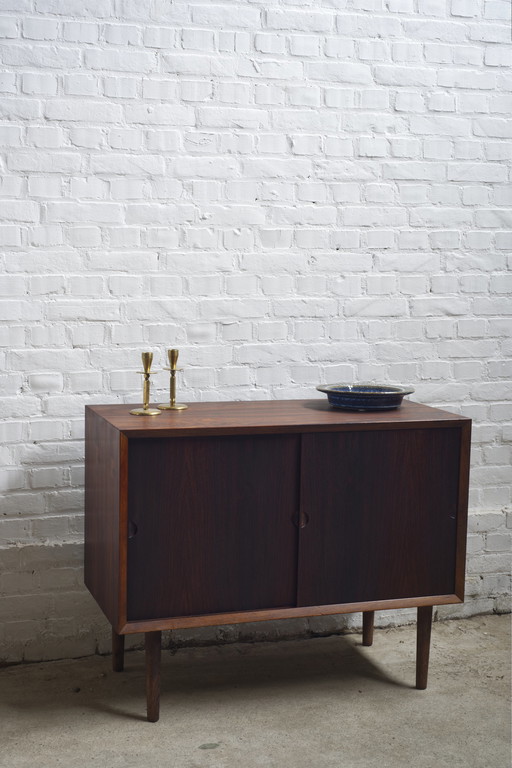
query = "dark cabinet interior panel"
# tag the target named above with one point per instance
(211, 524)
(381, 509)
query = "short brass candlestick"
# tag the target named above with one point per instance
(147, 359)
(172, 405)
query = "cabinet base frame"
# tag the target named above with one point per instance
(153, 650)
(216, 619)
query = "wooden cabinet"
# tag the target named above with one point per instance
(233, 512)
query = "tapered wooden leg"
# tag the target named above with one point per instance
(153, 645)
(423, 645)
(368, 620)
(117, 651)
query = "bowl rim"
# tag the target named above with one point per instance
(387, 390)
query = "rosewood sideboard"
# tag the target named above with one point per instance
(244, 511)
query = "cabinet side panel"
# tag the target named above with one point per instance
(212, 525)
(382, 510)
(102, 466)
(462, 515)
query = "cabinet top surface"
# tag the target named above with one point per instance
(267, 416)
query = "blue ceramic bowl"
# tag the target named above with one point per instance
(365, 397)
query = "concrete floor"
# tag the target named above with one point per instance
(320, 703)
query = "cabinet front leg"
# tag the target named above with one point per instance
(368, 621)
(423, 645)
(153, 645)
(117, 651)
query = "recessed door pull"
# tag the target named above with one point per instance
(300, 519)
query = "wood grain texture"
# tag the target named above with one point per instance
(268, 416)
(368, 624)
(462, 511)
(423, 632)
(117, 652)
(153, 649)
(382, 515)
(107, 492)
(214, 520)
(102, 485)
(123, 530)
(216, 619)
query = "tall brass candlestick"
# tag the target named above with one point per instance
(147, 359)
(172, 405)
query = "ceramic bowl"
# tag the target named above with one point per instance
(365, 397)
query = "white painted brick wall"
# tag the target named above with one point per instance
(289, 191)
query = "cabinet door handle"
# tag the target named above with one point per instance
(132, 529)
(303, 519)
(300, 519)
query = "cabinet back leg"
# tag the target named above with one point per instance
(117, 651)
(423, 645)
(153, 646)
(368, 621)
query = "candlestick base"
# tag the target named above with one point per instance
(175, 407)
(145, 412)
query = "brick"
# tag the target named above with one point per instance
(393, 75)
(90, 138)
(222, 16)
(304, 120)
(372, 307)
(97, 8)
(120, 61)
(80, 32)
(129, 164)
(371, 217)
(384, 27)
(407, 52)
(305, 45)
(414, 171)
(120, 87)
(304, 21)
(20, 210)
(8, 82)
(77, 111)
(43, 136)
(434, 217)
(439, 125)
(159, 37)
(452, 78)
(122, 34)
(84, 212)
(35, 84)
(498, 57)
(500, 128)
(493, 218)
(19, 109)
(40, 29)
(407, 101)
(41, 56)
(8, 28)
(489, 33)
(55, 162)
(345, 72)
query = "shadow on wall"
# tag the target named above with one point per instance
(46, 613)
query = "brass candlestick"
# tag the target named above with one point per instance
(172, 405)
(147, 359)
